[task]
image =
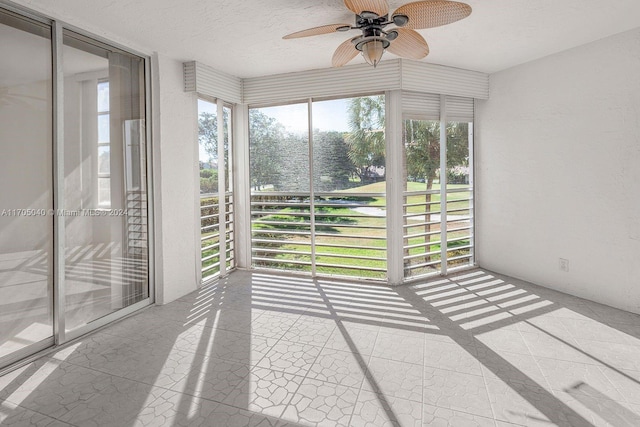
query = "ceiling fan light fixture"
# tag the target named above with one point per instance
(372, 51)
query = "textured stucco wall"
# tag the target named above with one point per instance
(558, 171)
(175, 136)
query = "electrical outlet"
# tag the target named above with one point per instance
(564, 265)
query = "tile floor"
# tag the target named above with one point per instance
(476, 349)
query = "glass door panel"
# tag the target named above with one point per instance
(459, 194)
(280, 187)
(211, 167)
(349, 180)
(105, 190)
(26, 199)
(421, 207)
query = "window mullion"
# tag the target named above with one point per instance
(443, 184)
(312, 199)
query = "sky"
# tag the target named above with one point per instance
(327, 116)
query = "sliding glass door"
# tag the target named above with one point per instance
(217, 234)
(438, 201)
(26, 197)
(74, 230)
(105, 190)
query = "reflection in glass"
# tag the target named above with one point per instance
(103, 97)
(105, 164)
(279, 176)
(279, 148)
(103, 128)
(104, 159)
(26, 227)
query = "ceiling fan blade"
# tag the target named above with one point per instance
(379, 7)
(316, 31)
(409, 44)
(344, 53)
(433, 13)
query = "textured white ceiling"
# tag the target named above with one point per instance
(244, 37)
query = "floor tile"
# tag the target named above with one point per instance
(175, 409)
(229, 416)
(378, 410)
(163, 367)
(512, 367)
(354, 339)
(317, 403)
(396, 379)
(544, 345)
(52, 387)
(503, 340)
(611, 314)
(402, 348)
(339, 367)
(451, 356)
(529, 406)
(588, 404)
(81, 396)
(310, 331)
(14, 415)
(626, 382)
(213, 380)
(262, 350)
(272, 325)
(456, 391)
(595, 331)
(443, 417)
(563, 375)
(235, 346)
(264, 391)
(290, 357)
(619, 356)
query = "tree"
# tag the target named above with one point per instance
(208, 138)
(208, 181)
(292, 163)
(366, 138)
(265, 141)
(208, 132)
(331, 164)
(422, 155)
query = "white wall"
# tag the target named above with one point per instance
(558, 171)
(175, 160)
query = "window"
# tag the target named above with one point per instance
(104, 146)
(437, 219)
(318, 202)
(216, 218)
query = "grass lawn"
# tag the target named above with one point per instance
(454, 200)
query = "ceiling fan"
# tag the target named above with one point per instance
(372, 16)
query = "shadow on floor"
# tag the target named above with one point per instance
(262, 349)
